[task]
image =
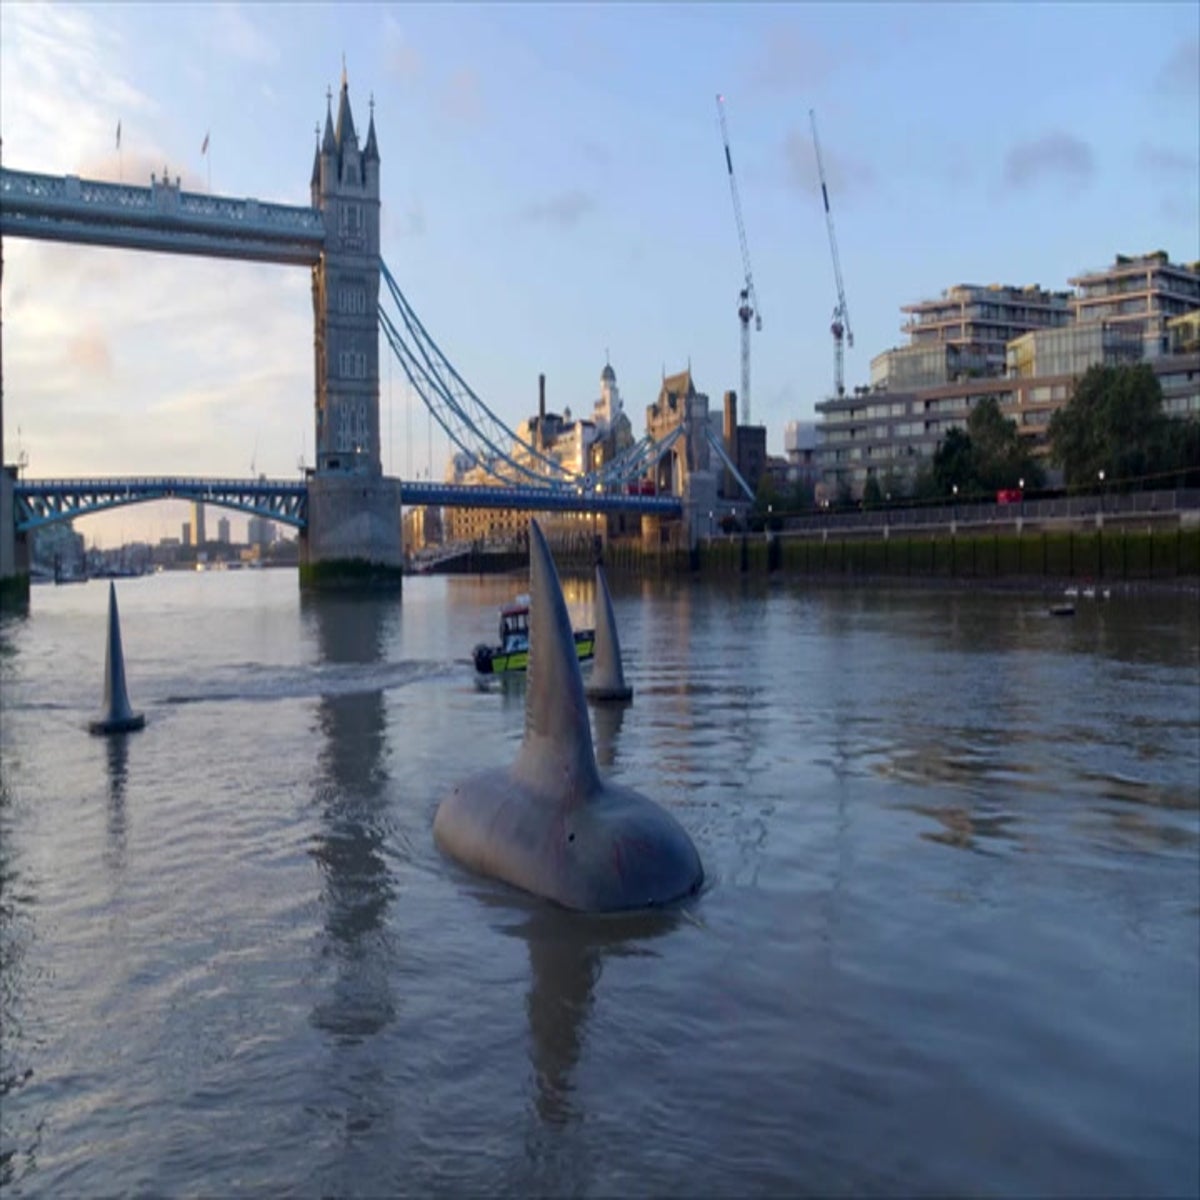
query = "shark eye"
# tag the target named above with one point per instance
(570, 837)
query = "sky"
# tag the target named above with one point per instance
(555, 195)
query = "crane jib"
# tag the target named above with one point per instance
(728, 160)
(825, 195)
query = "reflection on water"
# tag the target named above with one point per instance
(566, 960)
(117, 754)
(968, 830)
(351, 792)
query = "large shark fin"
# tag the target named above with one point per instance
(556, 755)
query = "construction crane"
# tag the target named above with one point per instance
(841, 314)
(747, 300)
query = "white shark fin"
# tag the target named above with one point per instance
(556, 755)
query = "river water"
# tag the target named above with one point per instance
(949, 943)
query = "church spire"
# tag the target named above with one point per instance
(371, 153)
(329, 145)
(345, 122)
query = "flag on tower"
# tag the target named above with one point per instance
(204, 146)
(118, 135)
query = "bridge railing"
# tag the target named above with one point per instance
(26, 192)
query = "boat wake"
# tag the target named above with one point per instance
(256, 683)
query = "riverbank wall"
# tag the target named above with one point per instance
(1112, 554)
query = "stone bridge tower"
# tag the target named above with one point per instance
(353, 531)
(345, 287)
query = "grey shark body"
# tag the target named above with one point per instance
(549, 824)
(118, 715)
(607, 682)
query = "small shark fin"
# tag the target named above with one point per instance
(118, 716)
(608, 675)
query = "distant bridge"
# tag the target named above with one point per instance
(39, 502)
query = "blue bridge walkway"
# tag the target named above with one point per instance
(41, 502)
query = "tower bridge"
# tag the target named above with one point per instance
(347, 511)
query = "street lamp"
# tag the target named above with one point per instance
(1100, 476)
(954, 489)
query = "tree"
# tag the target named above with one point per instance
(1176, 454)
(986, 456)
(895, 486)
(1001, 459)
(872, 496)
(768, 505)
(1114, 422)
(954, 463)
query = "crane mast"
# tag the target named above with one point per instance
(840, 328)
(747, 300)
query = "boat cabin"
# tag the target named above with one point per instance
(514, 625)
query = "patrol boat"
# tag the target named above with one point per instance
(513, 652)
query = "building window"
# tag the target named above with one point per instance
(352, 301)
(350, 225)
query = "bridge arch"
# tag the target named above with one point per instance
(45, 502)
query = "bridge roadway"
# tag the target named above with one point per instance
(159, 217)
(39, 502)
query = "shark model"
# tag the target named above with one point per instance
(118, 715)
(549, 824)
(608, 677)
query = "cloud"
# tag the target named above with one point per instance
(461, 99)
(1180, 73)
(236, 34)
(845, 177)
(1055, 156)
(90, 352)
(61, 98)
(1160, 160)
(408, 221)
(789, 61)
(399, 55)
(564, 210)
(595, 152)
(1176, 208)
(94, 391)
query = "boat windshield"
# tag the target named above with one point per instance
(514, 622)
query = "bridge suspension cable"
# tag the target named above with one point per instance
(478, 432)
(468, 422)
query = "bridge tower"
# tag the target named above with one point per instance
(353, 533)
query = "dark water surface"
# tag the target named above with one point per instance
(950, 941)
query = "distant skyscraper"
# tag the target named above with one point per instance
(198, 521)
(223, 530)
(260, 531)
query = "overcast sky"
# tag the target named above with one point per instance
(554, 190)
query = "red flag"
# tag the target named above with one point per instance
(204, 147)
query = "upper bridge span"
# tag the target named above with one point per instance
(160, 217)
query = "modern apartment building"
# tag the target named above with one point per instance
(963, 334)
(1137, 296)
(921, 391)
